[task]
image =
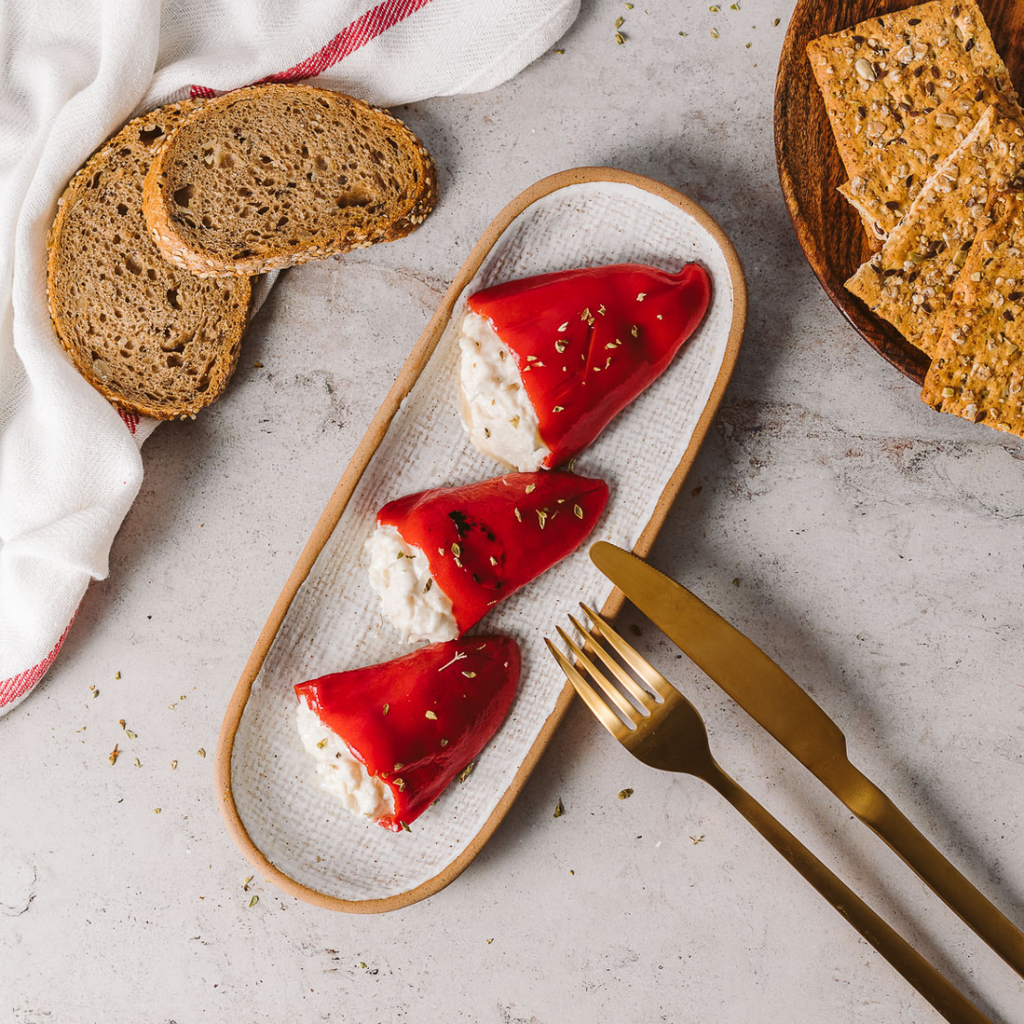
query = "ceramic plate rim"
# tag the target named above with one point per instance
(408, 375)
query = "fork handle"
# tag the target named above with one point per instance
(949, 1001)
(886, 820)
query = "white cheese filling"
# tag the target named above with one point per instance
(400, 573)
(339, 772)
(493, 404)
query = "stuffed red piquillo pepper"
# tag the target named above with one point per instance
(442, 559)
(548, 361)
(389, 738)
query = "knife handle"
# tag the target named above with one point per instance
(948, 1000)
(892, 826)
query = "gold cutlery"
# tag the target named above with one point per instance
(660, 727)
(789, 714)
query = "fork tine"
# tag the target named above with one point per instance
(641, 666)
(611, 695)
(637, 692)
(604, 714)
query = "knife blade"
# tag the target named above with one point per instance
(739, 667)
(788, 713)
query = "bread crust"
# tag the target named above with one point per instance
(161, 183)
(104, 372)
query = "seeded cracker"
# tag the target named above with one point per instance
(895, 174)
(978, 369)
(878, 77)
(909, 283)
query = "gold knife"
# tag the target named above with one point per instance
(788, 713)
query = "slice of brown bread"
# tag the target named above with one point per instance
(273, 175)
(153, 338)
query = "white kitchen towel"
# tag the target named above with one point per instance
(73, 71)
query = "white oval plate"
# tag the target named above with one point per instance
(327, 618)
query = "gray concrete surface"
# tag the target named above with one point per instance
(872, 546)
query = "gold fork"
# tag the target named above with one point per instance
(660, 727)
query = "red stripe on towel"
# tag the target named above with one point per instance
(17, 686)
(364, 29)
(131, 419)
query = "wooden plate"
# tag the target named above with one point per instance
(827, 227)
(327, 618)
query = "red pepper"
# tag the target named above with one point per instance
(418, 721)
(485, 540)
(588, 341)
